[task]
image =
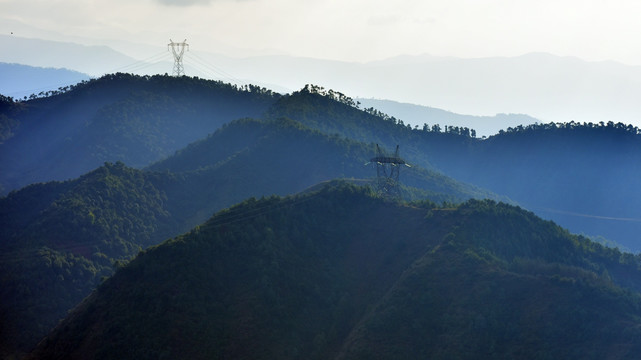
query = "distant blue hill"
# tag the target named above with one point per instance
(22, 80)
(419, 115)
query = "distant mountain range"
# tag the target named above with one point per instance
(424, 115)
(19, 81)
(91, 60)
(22, 81)
(547, 87)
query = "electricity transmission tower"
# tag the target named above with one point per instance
(178, 49)
(387, 173)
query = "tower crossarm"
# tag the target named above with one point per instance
(388, 160)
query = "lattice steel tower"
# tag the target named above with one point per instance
(178, 49)
(387, 173)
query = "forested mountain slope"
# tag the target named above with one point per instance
(287, 157)
(579, 175)
(339, 273)
(68, 234)
(120, 117)
(583, 176)
(60, 239)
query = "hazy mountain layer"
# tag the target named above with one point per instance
(19, 81)
(580, 175)
(92, 60)
(338, 273)
(118, 117)
(418, 115)
(140, 120)
(545, 86)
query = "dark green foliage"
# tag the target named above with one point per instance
(580, 175)
(107, 207)
(253, 158)
(37, 288)
(59, 239)
(339, 273)
(295, 277)
(583, 176)
(118, 117)
(458, 303)
(320, 110)
(8, 124)
(111, 213)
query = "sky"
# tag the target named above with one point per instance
(347, 30)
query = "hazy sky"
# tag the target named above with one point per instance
(353, 30)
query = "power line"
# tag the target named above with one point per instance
(210, 68)
(142, 64)
(599, 217)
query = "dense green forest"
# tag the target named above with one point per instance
(110, 214)
(579, 175)
(119, 117)
(140, 183)
(582, 175)
(340, 273)
(60, 239)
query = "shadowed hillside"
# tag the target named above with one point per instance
(117, 117)
(576, 174)
(582, 176)
(339, 273)
(70, 235)
(108, 215)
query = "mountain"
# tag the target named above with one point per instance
(140, 120)
(70, 235)
(117, 117)
(339, 273)
(58, 240)
(79, 230)
(19, 81)
(420, 115)
(93, 60)
(547, 87)
(581, 175)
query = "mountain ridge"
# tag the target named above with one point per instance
(108, 215)
(309, 278)
(301, 139)
(118, 117)
(565, 88)
(418, 115)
